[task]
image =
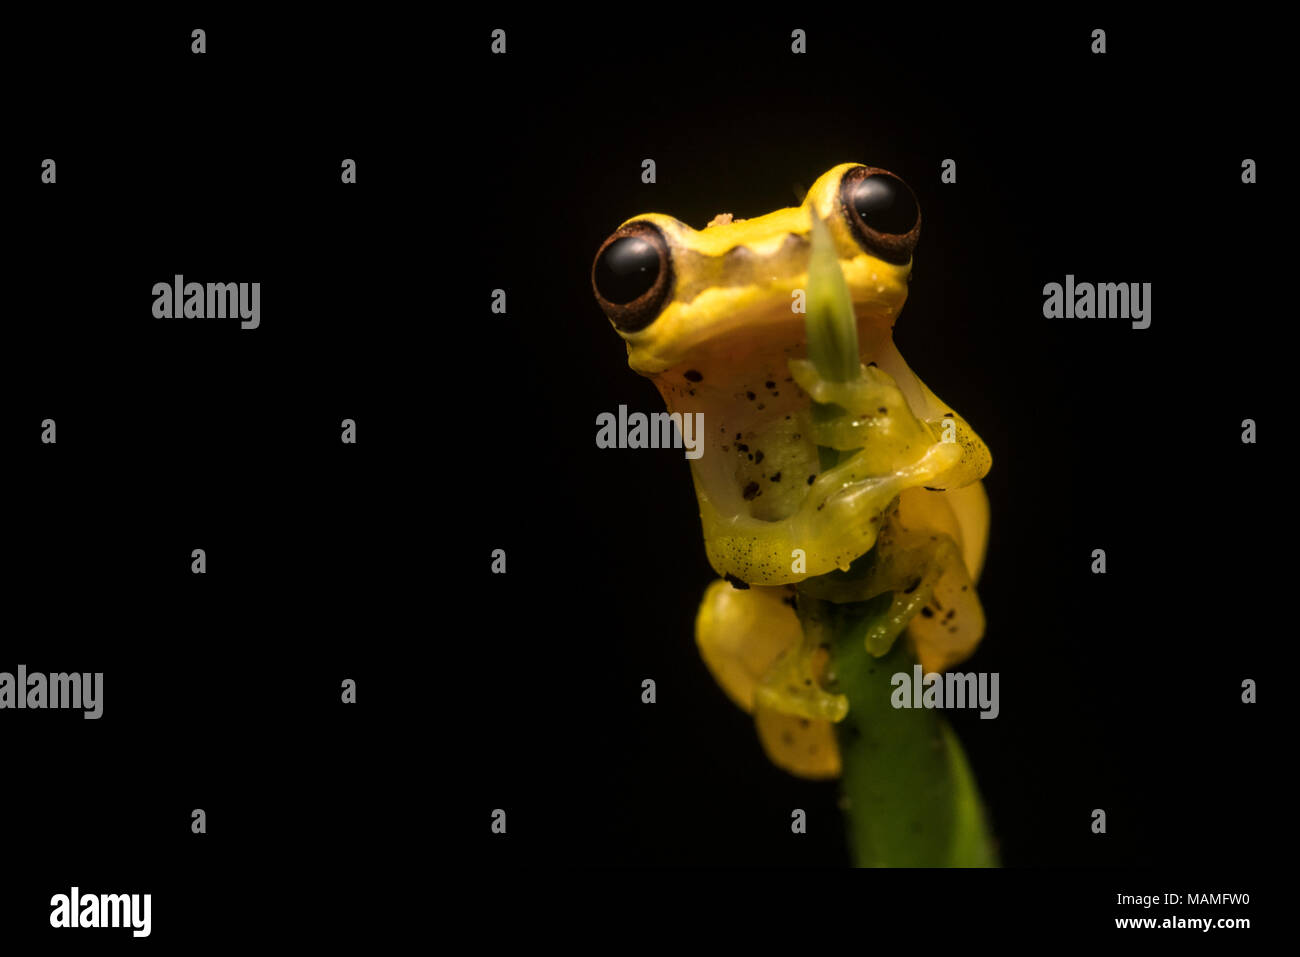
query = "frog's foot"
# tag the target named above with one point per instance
(805, 747)
(752, 643)
(792, 685)
(919, 561)
(909, 572)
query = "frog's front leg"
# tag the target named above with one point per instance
(890, 451)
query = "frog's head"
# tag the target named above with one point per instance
(714, 316)
(719, 304)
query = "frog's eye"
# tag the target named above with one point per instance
(633, 276)
(882, 212)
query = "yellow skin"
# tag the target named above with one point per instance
(728, 342)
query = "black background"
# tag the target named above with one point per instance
(476, 431)
(221, 691)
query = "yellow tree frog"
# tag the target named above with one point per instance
(716, 319)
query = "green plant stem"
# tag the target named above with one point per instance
(909, 796)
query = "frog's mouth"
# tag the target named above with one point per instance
(752, 341)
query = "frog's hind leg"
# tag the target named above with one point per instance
(752, 643)
(951, 623)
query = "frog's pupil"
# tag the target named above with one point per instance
(885, 205)
(627, 269)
